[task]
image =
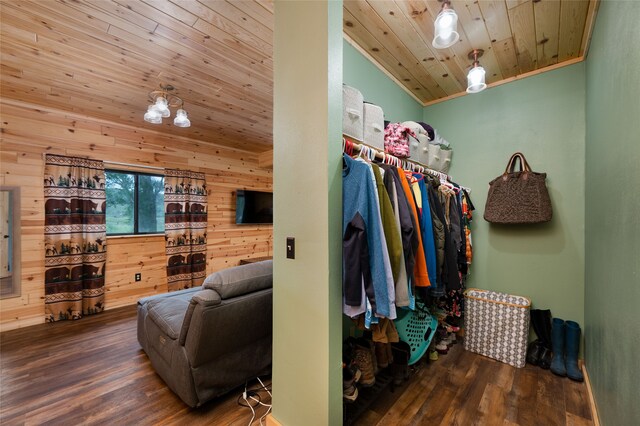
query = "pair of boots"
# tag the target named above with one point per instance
(565, 338)
(539, 351)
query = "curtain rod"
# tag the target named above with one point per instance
(140, 166)
(403, 162)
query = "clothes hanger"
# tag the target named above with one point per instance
(372, 154)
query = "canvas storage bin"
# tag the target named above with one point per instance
(439, 158)
(497, 325)
(418, 144)
(373, 126)
(352, 113)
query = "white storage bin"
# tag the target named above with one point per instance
(374, 126)
(352, 113)
(497, 325)
(439, 158)
(419, 149)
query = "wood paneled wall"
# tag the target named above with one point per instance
(28, 132)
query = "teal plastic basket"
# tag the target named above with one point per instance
(417, 329)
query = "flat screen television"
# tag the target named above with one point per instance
(253, 207)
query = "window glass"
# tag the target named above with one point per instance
(135, 203)
(150, 204)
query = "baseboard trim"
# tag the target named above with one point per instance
(273, 422)
(592, 400)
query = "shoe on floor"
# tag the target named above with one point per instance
(450, 339)
(442, 347)
(382, 356)
(349, 389)
(558, 341)
(572, 345)
(362, 360)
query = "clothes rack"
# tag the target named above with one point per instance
(349, 146)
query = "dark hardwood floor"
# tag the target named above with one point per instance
(463, 388)
(93, 371)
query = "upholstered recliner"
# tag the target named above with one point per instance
(207, 340)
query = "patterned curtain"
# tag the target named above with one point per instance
(185, 218)
(75, 237)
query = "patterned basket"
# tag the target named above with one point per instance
(497, 325)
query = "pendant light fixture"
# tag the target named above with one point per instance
(475, 77)
(161, 100)
(446, 27)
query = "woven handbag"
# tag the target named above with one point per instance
(518, 196)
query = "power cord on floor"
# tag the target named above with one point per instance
(249, 395)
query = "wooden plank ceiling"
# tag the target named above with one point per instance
(101, 57)
(519, 37)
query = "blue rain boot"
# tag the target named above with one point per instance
(573, 345)
(557, 343)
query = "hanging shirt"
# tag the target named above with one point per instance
(386, 262)
(438, 221)
(359, 199)
(421, 277)
(391, 233)
(426, 225)
(409, 227)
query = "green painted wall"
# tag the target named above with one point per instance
(307, 295)
(543, 117)
(377, 88)
(612, 273)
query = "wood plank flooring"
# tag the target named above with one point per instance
(93, 371)
(463, 388)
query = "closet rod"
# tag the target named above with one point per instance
(139, 166)
(414, 164)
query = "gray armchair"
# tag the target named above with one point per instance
(207, 340)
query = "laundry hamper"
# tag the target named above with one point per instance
(416, 328)
(497, 325)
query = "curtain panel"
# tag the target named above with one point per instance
(185, 218)
(75, 237)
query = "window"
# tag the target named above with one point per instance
(9, 242)
(135, 203)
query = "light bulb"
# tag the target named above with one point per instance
(152, 116)
(181, 119)
(475, 80)
(446, 29)
(161, 106)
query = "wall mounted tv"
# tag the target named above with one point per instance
(253, 207)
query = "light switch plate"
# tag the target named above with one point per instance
(291, 248)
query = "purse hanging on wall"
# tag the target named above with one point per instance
(518, 196)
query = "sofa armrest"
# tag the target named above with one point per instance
(205, 298)
(165, 296)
